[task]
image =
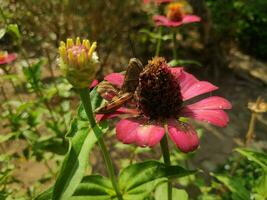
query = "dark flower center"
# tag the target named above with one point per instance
(158, 93)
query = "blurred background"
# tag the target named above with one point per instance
(228, 48)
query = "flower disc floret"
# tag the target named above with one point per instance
(175, 12)
(158, 93)
(79, 61)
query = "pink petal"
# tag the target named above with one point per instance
(93, 84)
(190, 86)
(183, 135)
(197, 89)
(190, 19)
(139, 132)
(101, 117)
(115, 79)
(215, 117)
(210, 103)
(161, 20)
(186, 80)
(10, 57)
(118, 112)
(176, 71)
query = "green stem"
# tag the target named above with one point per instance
(85, 97)
(159, 41)
(174, 49)
(166, 157)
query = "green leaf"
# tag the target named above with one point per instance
(51, 144)
(32, 73)
(94, 187)
(174, 63)
(6, 137)
(162, 192)
(257, 157)
(209, 197)
(261, 187)
(76, 160)
(157, 36)
(138, 180)
(12, 77)
(46, 195)
(234, 185)
(2, 32)
(14, 29)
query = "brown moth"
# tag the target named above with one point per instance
(134, 68)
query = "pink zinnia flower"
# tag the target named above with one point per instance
(160, 102)
(6, 58)
(176, 16)
(158, 1)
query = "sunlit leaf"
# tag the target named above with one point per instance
(14, 29)
(2, 32)
(76, 161)
(6, 137)
(234, 185)
(261, 187)
(162, 192)
(93, 187)
(257, 157)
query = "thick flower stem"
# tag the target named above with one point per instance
(166, 157)
(85, 97)
(174, 49)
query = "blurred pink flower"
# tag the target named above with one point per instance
(159, 99)
(6, 58)
(176, 16)
(158, 1)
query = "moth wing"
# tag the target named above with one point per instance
(113, 105)
(107, 90)
(134, 68)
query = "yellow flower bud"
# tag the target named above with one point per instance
(78, 41)
(69, 43)
(79, 62)
(92, 49)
